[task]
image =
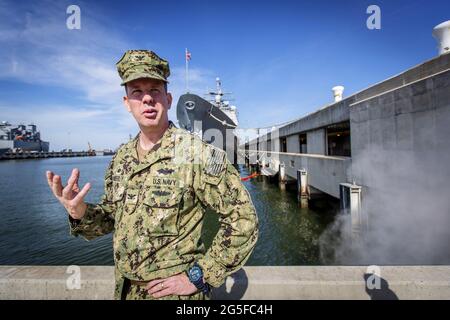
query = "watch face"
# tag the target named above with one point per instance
(196, 273)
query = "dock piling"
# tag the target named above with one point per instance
(282, 175)
(302, 188)
(350, 196)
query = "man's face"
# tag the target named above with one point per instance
(148, 102)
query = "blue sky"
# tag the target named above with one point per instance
(279, 58)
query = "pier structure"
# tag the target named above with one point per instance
(45, 154)
(355, 139)
(9, 155)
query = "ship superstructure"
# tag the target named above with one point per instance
(21, 137)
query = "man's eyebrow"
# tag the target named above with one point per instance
(146, 87)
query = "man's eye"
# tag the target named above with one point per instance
(155, 90)
(137, 91)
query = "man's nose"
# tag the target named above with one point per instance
(147, 98)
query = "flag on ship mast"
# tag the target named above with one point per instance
(188, 55)
(187, 58)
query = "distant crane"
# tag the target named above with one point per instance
(91, 151)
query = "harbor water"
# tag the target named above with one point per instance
(35, 231)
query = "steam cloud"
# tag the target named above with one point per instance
(407, 207)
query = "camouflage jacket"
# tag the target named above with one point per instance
(155, 209)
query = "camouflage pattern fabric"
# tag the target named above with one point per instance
(155, 208)
(136, 64)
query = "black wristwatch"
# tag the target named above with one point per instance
(195, 275)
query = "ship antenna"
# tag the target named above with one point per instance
(218, 85)
(218, 92)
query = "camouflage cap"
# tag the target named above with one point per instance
(136, 64)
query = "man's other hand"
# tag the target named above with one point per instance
(71, 197)
(175, 285)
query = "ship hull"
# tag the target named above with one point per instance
(32, 145)
(6, 145)
(195, 114)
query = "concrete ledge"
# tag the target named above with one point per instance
(50, 283)
(296, 282)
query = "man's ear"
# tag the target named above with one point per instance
(169, 99)
(126, 103)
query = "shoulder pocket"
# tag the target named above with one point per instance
(118, 188)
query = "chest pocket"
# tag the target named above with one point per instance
(162, 207)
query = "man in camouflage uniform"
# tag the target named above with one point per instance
(157, 187)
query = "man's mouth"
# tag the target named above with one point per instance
(150, 113)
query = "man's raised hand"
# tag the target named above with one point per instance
(71, 197)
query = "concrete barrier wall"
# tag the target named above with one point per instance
(292, 282)
(324, 174)
(411, 122)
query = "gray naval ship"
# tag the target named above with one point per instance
(18, 137)
(214, 120)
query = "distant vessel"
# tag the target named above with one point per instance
(214, 121)
(105, 152)
(108, 152)
(18, 137)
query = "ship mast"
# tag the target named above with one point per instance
(187, 57)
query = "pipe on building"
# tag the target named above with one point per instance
(442, 35)
(337, 93)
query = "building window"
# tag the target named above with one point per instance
(302, 143)
(283, 144)
(338, 139)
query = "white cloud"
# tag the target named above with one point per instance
(36, 48)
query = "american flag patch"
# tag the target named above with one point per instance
(215, 161)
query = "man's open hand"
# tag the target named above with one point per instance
(175, 285)
(71, 197)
